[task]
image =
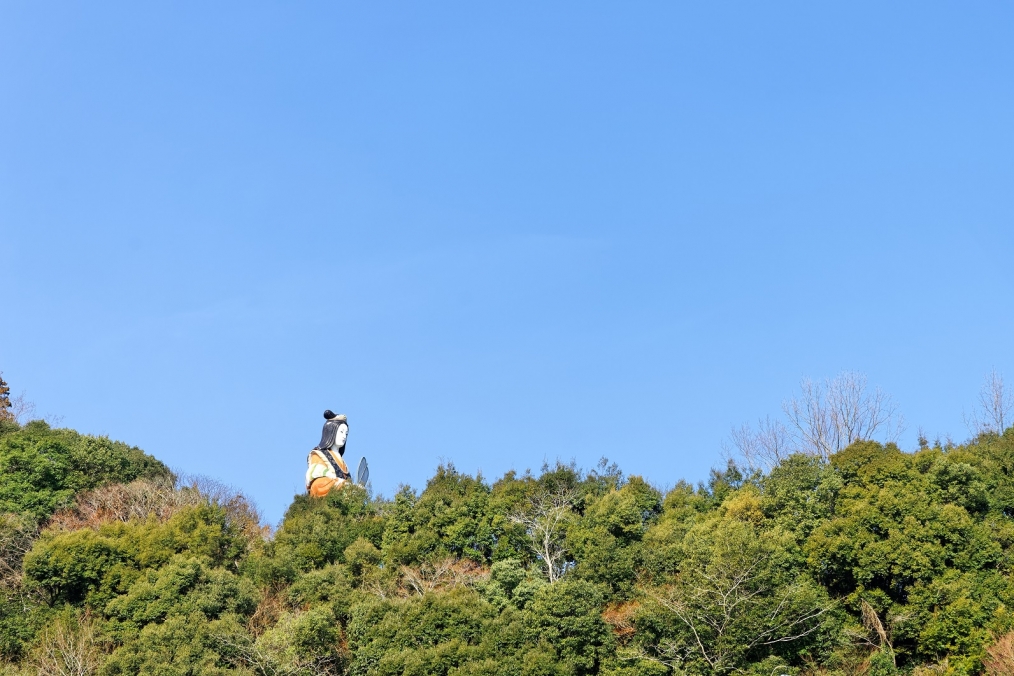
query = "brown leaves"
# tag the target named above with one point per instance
(620, 616)
(160, 498)
(999, 659)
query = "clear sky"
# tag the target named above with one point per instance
(495, 234)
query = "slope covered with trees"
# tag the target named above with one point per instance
(864, 560)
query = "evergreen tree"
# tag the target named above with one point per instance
(5, 400)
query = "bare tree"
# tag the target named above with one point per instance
(16, 409)
(544, 518)
(824, 419)
(21, 409)
(828, 417)
(17, 535)
(764, 447)
(274, 659)
(69, 647)
(444, 573)
(996, 405)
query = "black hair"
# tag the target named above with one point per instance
(328, 435)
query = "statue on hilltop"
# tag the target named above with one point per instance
(326, 469)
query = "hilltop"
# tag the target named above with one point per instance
(872, 561)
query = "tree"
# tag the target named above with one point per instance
(41, 468)
(567, 619)
(449, 518)
(5, 400)
(604, 540)
(732, 597)
(822, 420)
(301, 643)
(69, 647)
(544, 517)
(829, 417)
(996, 405)
(14, 409)
(764, 447)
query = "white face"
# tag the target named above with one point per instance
(339, 438)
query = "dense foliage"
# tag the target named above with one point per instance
(43, 468)
(875, 561)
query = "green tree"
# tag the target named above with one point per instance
(316, 533)
(41, 468)
(605, 540)
(737, 594)
(449, 518)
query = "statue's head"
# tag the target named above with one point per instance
(335, 432)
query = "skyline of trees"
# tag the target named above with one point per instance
(865, 560)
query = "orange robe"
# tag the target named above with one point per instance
(321, 478)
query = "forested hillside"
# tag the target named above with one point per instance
(874, 561)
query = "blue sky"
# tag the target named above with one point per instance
(497, 235)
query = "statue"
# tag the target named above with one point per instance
(326, 469)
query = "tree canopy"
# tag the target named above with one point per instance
(872, 560)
